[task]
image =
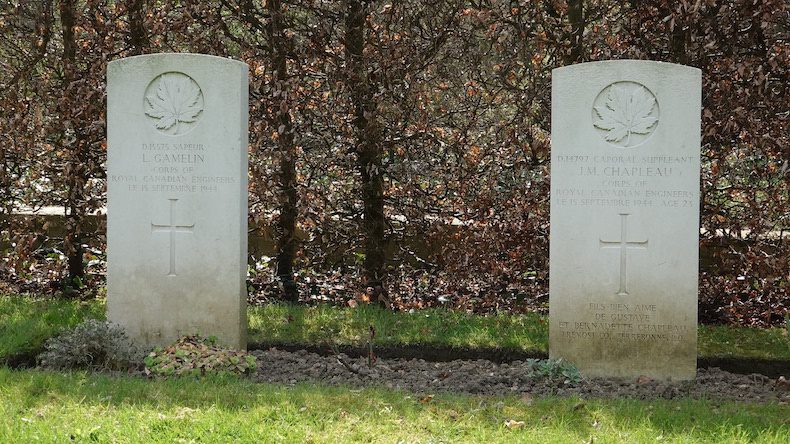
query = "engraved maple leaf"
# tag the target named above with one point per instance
(626, 113)
(175, 100)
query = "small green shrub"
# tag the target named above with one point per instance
(197, 356)
(555, 369)
(94, 345)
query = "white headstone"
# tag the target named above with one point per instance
(177, 197)
(625, 165)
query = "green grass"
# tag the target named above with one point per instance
(25, 323)
(293, 323)
(39, 406)
(725, 341)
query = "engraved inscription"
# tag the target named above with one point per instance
(173, 103)
(169, 168)
(172, 229)
(624, 182)
(623, 244)
(625, 113)
(624, 322)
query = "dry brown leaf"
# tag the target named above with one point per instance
(644, 379)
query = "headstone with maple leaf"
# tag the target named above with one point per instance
(625, 166)
(177, 197)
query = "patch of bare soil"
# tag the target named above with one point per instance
(486, 377)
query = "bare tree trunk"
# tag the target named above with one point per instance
(678, 44)
(289, 199)
(67, 21)
(368, 149)
(576, 16)
(138, 39)
(72, 171)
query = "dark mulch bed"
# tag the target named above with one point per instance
(773, 368)
(482, 376)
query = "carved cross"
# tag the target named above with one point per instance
(172, 228)
(623, 245)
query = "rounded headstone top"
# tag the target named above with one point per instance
(175, 55)
(629, 63)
